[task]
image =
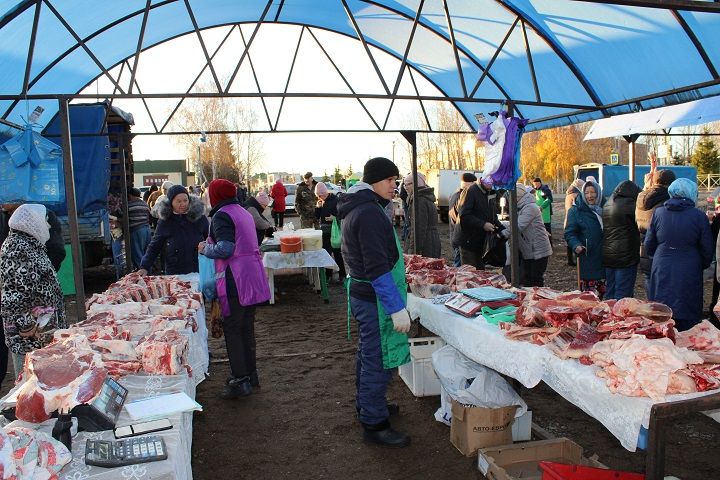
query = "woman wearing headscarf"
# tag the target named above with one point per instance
(31, 302)
(256, 206)
(572, 193)
(240, 280)
(621, 241)
(584, 235)
(326, 212)
(679, 243)
(181, 226)
(428, 242)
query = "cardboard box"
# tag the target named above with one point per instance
(520, 461)
(477, 427)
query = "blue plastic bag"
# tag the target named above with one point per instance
(207, 277)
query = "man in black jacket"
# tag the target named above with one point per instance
(478, 219)
(376, 294)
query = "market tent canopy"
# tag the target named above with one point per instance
(558, 61)
(691, 113)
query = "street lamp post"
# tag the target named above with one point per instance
(393, 157)
(200, 174)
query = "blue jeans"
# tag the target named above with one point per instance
(371, 378)
(620, 282)
(140, 239)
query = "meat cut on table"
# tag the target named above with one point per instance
(62, 375)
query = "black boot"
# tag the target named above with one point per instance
(236, 388)
(383, 434)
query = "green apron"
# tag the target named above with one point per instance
(395, 346)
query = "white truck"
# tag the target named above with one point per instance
(445, 183)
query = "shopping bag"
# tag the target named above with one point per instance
(207, 277)
(335, 234)
(494, 253)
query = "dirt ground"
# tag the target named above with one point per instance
(301, 422)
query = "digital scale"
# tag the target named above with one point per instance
(103, 412)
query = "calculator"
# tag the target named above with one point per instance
(106, 453)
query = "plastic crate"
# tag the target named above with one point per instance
(561, 471)
(419, 375)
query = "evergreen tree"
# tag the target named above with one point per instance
(337, 175)
(349, 172)
(706, 156)
(325, 177)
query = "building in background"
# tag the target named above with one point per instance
(155, 172)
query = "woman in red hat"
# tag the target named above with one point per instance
(240, 280)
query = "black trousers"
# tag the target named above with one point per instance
(239, 329)
(533, 272)
(471, 257)
(335, 253)
(3, 355)
(279, 219)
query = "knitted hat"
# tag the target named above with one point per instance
(379, 168)
(665, 177)
(469, 177)
(176, 190)
(220, 190)
(263, 199)
(420, 177)
(321, 189)
(166, 185)
(30, 218)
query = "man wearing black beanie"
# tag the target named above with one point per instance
(377, 295)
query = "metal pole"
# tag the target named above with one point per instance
(411, 137)
(631, 162)
(126, 215)
(72, 207)
(514, 228)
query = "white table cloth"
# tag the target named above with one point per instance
(487, 345)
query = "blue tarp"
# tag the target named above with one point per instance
(31, 169)
(91, 156)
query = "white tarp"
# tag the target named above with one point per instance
(696, 112)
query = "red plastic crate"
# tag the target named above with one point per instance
(561, 471)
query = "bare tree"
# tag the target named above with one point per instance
(248, 146)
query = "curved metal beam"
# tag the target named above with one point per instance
(696, 41)
(557, 49)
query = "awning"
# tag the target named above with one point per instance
(692, 113)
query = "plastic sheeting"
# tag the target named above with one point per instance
(487, 345)
(91, 156)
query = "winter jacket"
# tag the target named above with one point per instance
(679, 243)
(368, 247)
(428, 241)
(328, 207)
(621, 238)
(179, 236)
(305, 200)
(544, 199)
(55, 244)
(477, 207)
(534, 240)
(647, 201)
(27, 280)
(261, 223)
(584, 229)
(454, 216)
(278, 192)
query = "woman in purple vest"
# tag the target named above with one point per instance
(240, 280)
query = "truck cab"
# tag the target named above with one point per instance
(610, 176)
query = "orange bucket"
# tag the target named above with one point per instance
(291, 244)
